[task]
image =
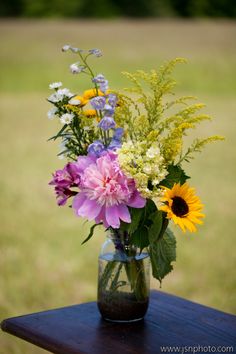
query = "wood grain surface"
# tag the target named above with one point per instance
(170, 321)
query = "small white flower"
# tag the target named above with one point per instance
(155, 181)
(61, 157)
(147, 169)
(52, 112)
(65, 92)
(55, 85)
(66, 47)
(76, 68)
(55, 97)
(153, 152)
(66, 118)
(74, 101)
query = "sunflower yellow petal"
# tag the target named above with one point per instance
(183, 206)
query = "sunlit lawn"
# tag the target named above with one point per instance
(42, 262)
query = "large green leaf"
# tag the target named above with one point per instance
(136, 217)
(150, 208)
(140, 238)
(163, 253)
(176, 175)
(139, 217)
(156, 226)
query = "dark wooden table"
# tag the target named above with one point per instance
(171, 322)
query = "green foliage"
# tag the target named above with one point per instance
(140, 237)
(156, 85)
(111, 8)
(91, 232)
(148, 228)
(176, 175)
(153, 117)
(139, 227)
(75, 140)
(156, 226)
(198, 145)
(162, 254)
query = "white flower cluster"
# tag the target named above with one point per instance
(59, 94)
(145, 164)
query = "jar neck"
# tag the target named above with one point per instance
(121, 241)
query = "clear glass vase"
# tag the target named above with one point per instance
(123, 279)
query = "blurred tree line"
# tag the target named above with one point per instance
(117, 8)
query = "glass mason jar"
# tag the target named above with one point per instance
(123, 279)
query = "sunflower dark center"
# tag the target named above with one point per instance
(179, 207)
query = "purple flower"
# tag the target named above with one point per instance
(114, 144)
(63, 194)
(109, 110)
(116, 139)
(101, 81)
(118, 133)
(96, 52)
(107, 123)
(63, 180)
(98, 102)
(104, 86)
(96, 148)
(112, 99)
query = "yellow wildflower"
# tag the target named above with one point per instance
(88, 94)
(78, 101)
(90, 113)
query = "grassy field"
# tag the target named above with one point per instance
(42, 262)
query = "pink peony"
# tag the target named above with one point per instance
(105, 191)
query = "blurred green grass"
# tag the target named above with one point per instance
(42, 262)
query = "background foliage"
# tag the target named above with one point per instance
(114, 8)
(42, 262)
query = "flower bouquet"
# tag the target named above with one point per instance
(124, 152)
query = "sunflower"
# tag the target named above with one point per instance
(183, 206)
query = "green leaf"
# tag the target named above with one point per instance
(155, 228)
(175, 175)
(59, 133)
(136, 216)
(91, 233)
(162, 254)
(150, 207)
(139, 217)
(140, 238)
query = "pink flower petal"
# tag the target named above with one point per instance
(136, 201)
(123, 213)
(78, 201)
(112, 217)
(84, 161)
(102, 217)
(89, 209)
